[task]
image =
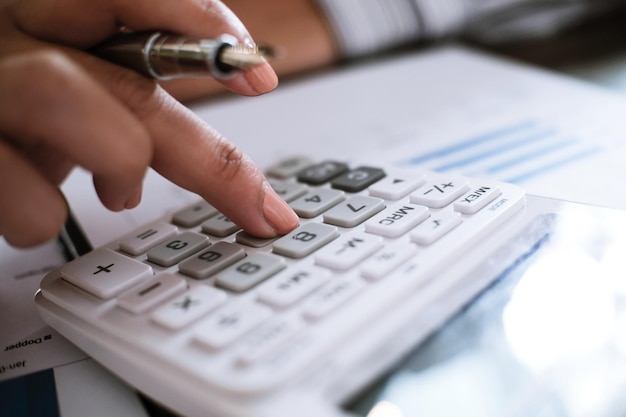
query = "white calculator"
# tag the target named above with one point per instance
(208, 320)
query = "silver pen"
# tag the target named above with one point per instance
(164, 56)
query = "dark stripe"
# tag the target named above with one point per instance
(33, 395)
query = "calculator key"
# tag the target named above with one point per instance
(219, 226)
(323, 172)
(210, 261)
(148, 295)
(288, 190)
(194, 215)
(396, 220)
(357, 179)
(396, 186)
(247, 239)
(354, 211)
(105, 273)
(140, 241)
(435, 227)
(250, 271)
(316, 202)
(387, 259)
(289, 167)
(305, 240)
(348, 250)
(189, 307)
(332, 296)
(477, 199)
(291, 285)
(267, 339)
(229, 324)
(178, 248)
(439, 193)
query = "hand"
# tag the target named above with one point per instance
(61, 107)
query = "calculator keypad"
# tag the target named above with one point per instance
(243, 309)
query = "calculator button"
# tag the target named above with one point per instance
(357, 179)
(476, 199)
(211, 260)
(322, 172)
(140, 241)
(250, 271)
(219, 226)
(332, 296)
(397, 185)
(175, 250)
(267, 339)
(316, 202)
(289, 167)
(435, 227)
(247, 239)
(140, 299)
(354, 211)
(387, 259)
(439, 193)
(348, 250)
(194, 215)
(305, 240)
(225, 326)
(288, 191)
(189, 307)
(292, 285)
(396, 220)
(105, 273)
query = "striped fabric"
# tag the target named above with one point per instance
(367, 26)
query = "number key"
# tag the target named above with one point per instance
(354, 211)
(174, 250)
(316, 201)
(305, 239)
(250, 271)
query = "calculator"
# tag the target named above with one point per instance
(208, 320)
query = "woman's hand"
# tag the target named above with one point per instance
(61, 107)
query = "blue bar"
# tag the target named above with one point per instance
(552, 166)
(530, 156)
(470, 143)
(494, 151)
(33, 395)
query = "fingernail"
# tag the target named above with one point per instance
(262, 78)
(278, 213)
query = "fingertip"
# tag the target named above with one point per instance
(257, 80)
(135, 198)
(277, 213)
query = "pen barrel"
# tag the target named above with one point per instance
(164, 56)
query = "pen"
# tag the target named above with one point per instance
(164, 56)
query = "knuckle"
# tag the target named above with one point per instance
(230, 160)
(52, 70)
(137, 92)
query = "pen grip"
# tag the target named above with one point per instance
(165, 56)
(129, 51)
